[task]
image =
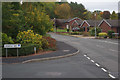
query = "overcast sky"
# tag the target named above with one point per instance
(111, 5)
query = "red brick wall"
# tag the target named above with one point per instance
(105, 27)
(114, 29)
(85, 25)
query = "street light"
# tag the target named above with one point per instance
(95, 25)
(55, 25)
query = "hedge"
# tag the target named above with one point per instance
(23, 51)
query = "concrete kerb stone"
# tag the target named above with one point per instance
(50, 58)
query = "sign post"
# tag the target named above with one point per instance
(35, 50)
(12, 46)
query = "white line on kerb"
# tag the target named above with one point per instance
(92, 61)
(97, 64)
(111, 76)
(104, 69)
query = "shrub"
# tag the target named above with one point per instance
(6, 39)
(81, 30)
(24, 50)
(29, 37)
(86, 34)
(76, 33)
(51, 42)
(92, 31)
(103, 34)
(110, 33)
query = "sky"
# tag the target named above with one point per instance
(91, 5)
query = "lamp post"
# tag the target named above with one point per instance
(95, 25)
(55, 25)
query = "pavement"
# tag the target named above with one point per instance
(63, 50)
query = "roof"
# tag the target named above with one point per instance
(91, 22)
(70, 19)
(111, 23)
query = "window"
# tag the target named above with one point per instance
(87, 29)
(83, 28)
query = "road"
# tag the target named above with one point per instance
(96, 58)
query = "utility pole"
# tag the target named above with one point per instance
(95, 25)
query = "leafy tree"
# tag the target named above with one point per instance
(106, 15)
(63, 10)
(78, 10)
(12, 20)
(114, 15)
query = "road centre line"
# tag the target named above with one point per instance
(113, 50)
(107, 42)
(110, 75)
(100, 46)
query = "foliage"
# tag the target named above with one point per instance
(6, 39)
(23, 51)
(92, 31)
(81, 29)
(114, 15)
(78, 10)
(76, 33)
(12, 18)
(110, 33)
(86, 34)
(63, 10)
(103, 34)
(106, 15)
(51, 42)
(29, 37)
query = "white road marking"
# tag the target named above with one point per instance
(97, 64)
(111, 76)
(85, 55)
(108, 42)
(113, 50)
(100, 46)
(88, 57)
(92, 61)
(104, 69)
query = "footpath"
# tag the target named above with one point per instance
(63, 50)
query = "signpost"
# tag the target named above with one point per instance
(12, 46)
(35, 50)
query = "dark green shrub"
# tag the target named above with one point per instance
(76, 33)
(110, 35)
(23, 51)
(81, 30)
(92, 31)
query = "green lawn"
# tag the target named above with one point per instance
(61, 30)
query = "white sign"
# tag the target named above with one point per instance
(12, 45)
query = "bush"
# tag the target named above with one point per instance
(81, 30)
(29, 37)
(92, 31)
(86, 34)
(110, 33)
(23, 51)
(51, 42)
(76, 33)
(6, 39)
(103, 34)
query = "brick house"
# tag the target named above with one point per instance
(86, 24)
(107, 25)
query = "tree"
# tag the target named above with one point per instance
(114, 15)
(12, 19)
(63, 10)
(106, 15)
(78, 10)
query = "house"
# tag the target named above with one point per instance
(86, 24)
(107, 25)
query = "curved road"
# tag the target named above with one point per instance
(104, 52)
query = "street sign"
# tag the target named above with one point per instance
(12, 45)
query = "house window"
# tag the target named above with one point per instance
(87, 29)
(83, 28)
